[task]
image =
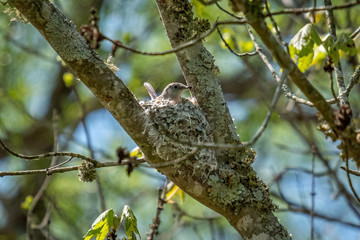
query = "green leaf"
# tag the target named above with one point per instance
(305, 61)
(330, 48)
(101, 226)
(68, 79)
(130, 223)
(26, 204)
(346, 44)
(301, 46)
(199, 7)
(319, 56)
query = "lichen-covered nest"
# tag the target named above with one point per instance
(178, 126)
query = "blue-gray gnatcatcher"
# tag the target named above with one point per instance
(172, 92)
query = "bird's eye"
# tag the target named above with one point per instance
(175, 87)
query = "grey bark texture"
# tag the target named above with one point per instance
(255, 17)
(223, 180)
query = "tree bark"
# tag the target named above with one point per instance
(253, 13)
(231, 187)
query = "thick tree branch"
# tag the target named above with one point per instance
(198, 67)
(256, 19)
(225, 181)
(200, 72)
(72, 48)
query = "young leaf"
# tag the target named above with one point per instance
(68, 79)
(26, 204)
(302, 46)
(101, 226)
(330, 48)
(305, 61)
(199, 7)
(346, 44)
(130, 223)
(175, 191)
(136, 152)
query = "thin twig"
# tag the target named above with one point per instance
(332, 88)
(67, 169)
(306, 10)
(312, 196)
(227, 12)
(173, 162)
(272, 108)
(353, 80)
(278, 34)
(41, 191)
(231, 50)
(160, 206)
(209, 2)
(313, 12)
(356, 173)
(263, 57)
(321, 216)
(88, 141)
(348, 174)
(181, 46)
(47, 155)
(337, 66)
(352, 203)
(49, 170)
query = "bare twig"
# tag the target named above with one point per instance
(306, 10)
(88, 141)
(356, 173)
(272, 107)
(66, 169)
(353, 80)
(321, 216)
(332, 89)
(338, 71)
(49, 170)
(181, 46)
(227, 12)
(278, 34)
(232, 51)
(312, 196)
(47, 155)
(209, 2)
(41, 191)
(348, 174)
(160, 205)
(173, 162)
(263, 57)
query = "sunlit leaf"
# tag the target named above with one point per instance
(136, 152)
(101, 226)
(26, 204)
(346, 44)
(302, 46)
(68, 79)
(319, 56)
(330, 48)
(199, 7)
(246, 46)
(305, 61)
(175, 191)
(130, 223)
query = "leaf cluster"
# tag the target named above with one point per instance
(303, 45)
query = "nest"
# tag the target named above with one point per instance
(178, 128)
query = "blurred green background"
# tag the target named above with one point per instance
(33, 82)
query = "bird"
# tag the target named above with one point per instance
(171, 92)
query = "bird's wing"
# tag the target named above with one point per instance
(150, 90)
